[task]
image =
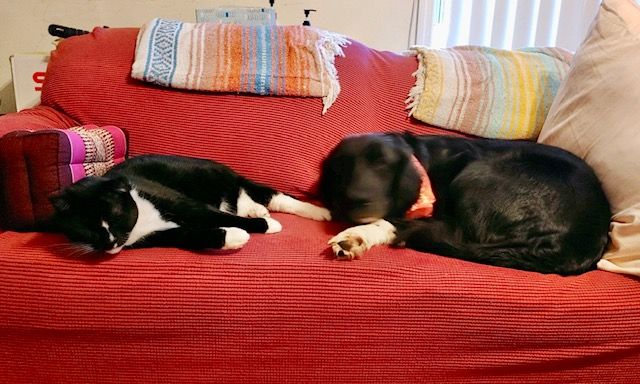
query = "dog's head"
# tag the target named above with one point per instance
(369, 177)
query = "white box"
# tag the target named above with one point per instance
(237, 15)
(27, 70)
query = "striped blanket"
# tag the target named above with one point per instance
(266, 60)
(485, 91)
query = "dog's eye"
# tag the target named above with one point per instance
(377, 160)
(374, 156)
(341, 164)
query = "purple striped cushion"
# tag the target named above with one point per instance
(35, 164)
(92, 151)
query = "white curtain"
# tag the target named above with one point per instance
(506, 24)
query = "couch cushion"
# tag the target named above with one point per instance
(279, 141)
(33, 165)
(283, 310)
(595, 116)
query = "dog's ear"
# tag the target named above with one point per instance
(410, 138)
(402, 142)
(325, 183)
(117, 185)
(407, 179)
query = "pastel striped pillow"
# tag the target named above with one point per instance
(485, 91)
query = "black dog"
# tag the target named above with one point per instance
(514, 204)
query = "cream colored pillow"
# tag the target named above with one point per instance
(596, 115)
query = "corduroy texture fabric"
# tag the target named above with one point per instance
(40, 117)
(291, 60)
(282, 310)
(36, 164)
(488, 92)
(279, 141)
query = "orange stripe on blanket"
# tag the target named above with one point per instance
(267, 60)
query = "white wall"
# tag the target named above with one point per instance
(382, 24)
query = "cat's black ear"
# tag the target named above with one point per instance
(60, 202)
(120, 184)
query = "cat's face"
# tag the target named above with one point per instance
(97, 212)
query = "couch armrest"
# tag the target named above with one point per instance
(40, 117)
(37, 118)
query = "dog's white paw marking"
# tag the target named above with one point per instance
(235, 238)
(273, 226)
(287, 204)
(353, 242)
(249, 208)
(348, 246)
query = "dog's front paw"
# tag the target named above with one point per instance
(353, 242)
(347, 245)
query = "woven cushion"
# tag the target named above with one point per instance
(35, 164)
(485, 91)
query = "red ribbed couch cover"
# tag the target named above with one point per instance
(282, 310)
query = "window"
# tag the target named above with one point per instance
(506, 24)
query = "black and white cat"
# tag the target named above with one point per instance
(173, 201)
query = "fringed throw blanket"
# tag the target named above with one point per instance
(485, 91)
(266, 60)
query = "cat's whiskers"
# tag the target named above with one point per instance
(73, 250)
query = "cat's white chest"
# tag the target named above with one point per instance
(149, 220)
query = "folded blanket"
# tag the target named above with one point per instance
(267, 60)
(486, 91)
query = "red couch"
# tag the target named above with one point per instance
(282, 310)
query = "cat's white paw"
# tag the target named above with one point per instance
(256, 210)
(235, 238)
(246, 207)
(273, 226)
(317, 213)
(284, 203)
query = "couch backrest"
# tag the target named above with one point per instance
(279, 141)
